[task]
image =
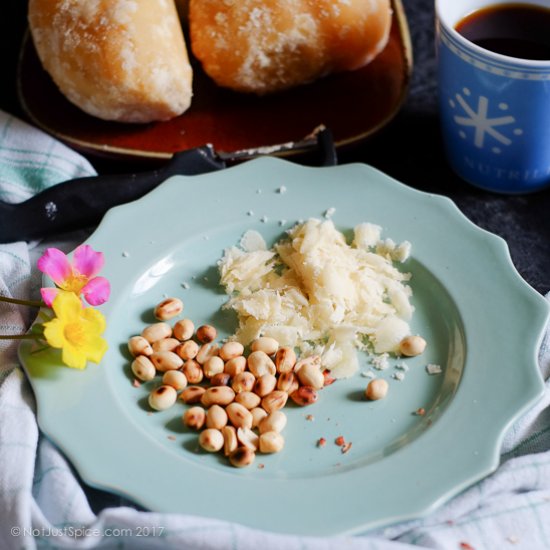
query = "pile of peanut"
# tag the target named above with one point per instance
(235, 400)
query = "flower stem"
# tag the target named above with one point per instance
(30, 303)
(39, 350)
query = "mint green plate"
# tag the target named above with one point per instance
(483, 325)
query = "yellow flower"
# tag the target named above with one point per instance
(76, 331)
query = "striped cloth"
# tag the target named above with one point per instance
(44, 505)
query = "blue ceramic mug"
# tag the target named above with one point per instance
(494, 109)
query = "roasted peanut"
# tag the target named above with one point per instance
(212, 366)
(376, 389)
(258, 414)
(310, 374)
(260, 363)
(274, 401)
(242, 457)
(184, 329)
(192, 394)
(266, 344)
(304, 395)
(162, 398)
(168, 308)
(273, 422)
(188, 350)
(206, 351)
(166, 360)
(220, 379)
(211, 440)
(235, 366)
(216, 417)
(166, 344)
(143, 368)
(309, 360)
(230, 350)
(265, 384)
(288, 382)
(206, 334)
(239, 416)
(176, 379)
(412, 346)
(218, 395)
(230, 442)
(247, 438)
(194, 417)
(193, 371)
(248, 399)
(138, 345)
(329, 379)
(243, 381)
(285, 359)
(157, 331)
(271, 442)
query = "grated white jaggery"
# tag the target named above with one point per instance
(320, 294)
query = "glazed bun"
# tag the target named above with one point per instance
(264, 46)
(122, 60)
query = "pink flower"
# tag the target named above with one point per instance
(78, 277)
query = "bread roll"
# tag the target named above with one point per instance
(264, 46)
(123, 60)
